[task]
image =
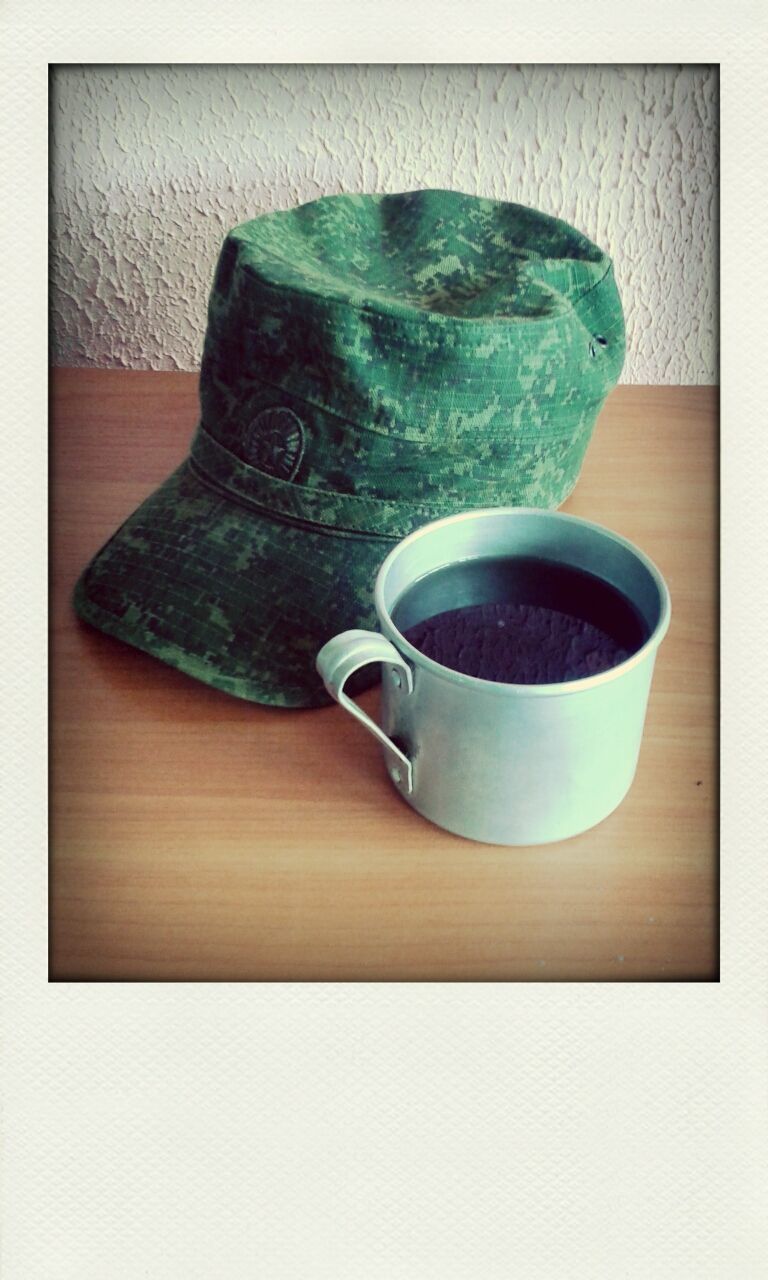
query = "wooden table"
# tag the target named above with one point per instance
(199, 837)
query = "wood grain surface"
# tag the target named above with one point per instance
(197, 837)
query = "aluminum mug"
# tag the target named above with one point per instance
(514, 764)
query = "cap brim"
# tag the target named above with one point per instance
(233, 597)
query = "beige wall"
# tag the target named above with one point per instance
(152, 165)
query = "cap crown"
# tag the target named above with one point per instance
(429, 347)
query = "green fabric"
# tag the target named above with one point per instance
(370, 363)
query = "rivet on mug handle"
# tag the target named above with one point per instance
(346, 653)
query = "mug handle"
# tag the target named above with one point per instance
(336, 662)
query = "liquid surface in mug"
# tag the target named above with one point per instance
(519, 620)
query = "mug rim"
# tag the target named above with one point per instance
(561, 687)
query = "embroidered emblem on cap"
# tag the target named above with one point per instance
(275, 443)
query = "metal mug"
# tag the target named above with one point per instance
(514, 764)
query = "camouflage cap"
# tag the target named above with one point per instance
(371, 362)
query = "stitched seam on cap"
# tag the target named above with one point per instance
(515, 434)
(439, 319)
(250, 504)
(410, 508)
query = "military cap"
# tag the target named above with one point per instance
(371, 362)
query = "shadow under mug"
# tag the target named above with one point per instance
(514, 764)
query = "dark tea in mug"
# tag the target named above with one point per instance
(519, 620)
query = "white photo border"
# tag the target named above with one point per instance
(385, 1131)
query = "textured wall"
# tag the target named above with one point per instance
(152, 165)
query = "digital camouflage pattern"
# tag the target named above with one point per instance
(371, 363)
